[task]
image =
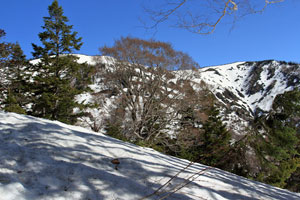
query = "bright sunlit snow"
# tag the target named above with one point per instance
(42, 159)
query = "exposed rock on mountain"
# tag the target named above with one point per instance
(247, 89)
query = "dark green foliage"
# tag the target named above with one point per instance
(277, 153)
(13, 65)
(234, 160)
(216, 139)
(18, 80)
(287, 105)
(114, 130)
(278, 148)
(4, 57)
(207, 145)
(281, 173)
(4, 48)
(12, 104)
(59, 77)
(294, 180)
(58, 37)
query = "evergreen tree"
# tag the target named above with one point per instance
(277, 153)
(278, 149)
(12, 66)
(16, 69)
(216, 140)
(4, 55)
(12, 104)
(3, 48)
(286, 108)
(58, 76)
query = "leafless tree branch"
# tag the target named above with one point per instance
(204, 17)
(142, 74)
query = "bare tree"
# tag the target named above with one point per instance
(100, 100)
(202, 17)
(148, 90)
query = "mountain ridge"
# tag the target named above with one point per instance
(246, 89)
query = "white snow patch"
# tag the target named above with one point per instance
(42, 159)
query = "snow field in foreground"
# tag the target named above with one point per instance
(42, 159)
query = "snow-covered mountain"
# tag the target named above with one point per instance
(43, 160)
(252, 85)
(245, 89)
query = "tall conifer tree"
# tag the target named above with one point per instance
(59, 77)
(17, 79)
(3, 57)
(12, 76)
(216, 139)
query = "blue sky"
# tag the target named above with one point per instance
(275, 34)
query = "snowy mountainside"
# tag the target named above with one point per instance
(43, 159)
(91, 60)
(252, 85)
(246, 89)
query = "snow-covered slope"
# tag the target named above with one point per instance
(248, 89)
(85, 59)
(252, 85)
(42, 159)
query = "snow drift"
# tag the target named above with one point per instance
(42, 159)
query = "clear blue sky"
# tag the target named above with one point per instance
(275, 34)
